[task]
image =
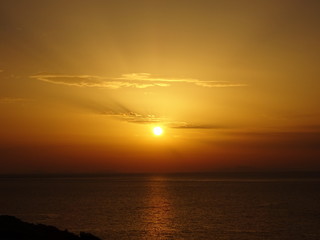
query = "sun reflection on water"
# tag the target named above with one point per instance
(158, 213)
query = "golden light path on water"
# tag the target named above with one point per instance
(159, 213)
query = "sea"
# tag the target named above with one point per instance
(170, 206)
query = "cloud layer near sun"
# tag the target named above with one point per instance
(135, 80)
(13, 100)
(135, 117)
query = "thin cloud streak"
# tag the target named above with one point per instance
(13, 100)
(134, 117)
(120, 112)
(114, 109)
(184, 125)
(134, 80)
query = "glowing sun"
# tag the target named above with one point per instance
(157, 131)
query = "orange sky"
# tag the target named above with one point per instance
(234, 84)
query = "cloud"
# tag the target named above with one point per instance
(134, 117)
(94, 81)
(185, 125)
(114, 109)
(135, 80)
(121, 112)
(124, 113)
(148, 78)
(13, 100)
(117, 110)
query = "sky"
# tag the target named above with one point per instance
(233, 84)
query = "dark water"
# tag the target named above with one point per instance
(169, 207)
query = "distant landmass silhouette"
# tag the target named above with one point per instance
(12, 228)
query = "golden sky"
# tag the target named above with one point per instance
(233, 84)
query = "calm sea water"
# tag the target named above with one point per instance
(169, 207)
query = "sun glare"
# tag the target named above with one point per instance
(157, 131)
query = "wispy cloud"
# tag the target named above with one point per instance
(13, 100)
(122, 112)
(185, 125)
(117, 110)
(135, 80)
(147, 77)
(134, 117)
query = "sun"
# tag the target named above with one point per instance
(157, 131)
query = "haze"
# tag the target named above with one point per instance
(234, 85)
